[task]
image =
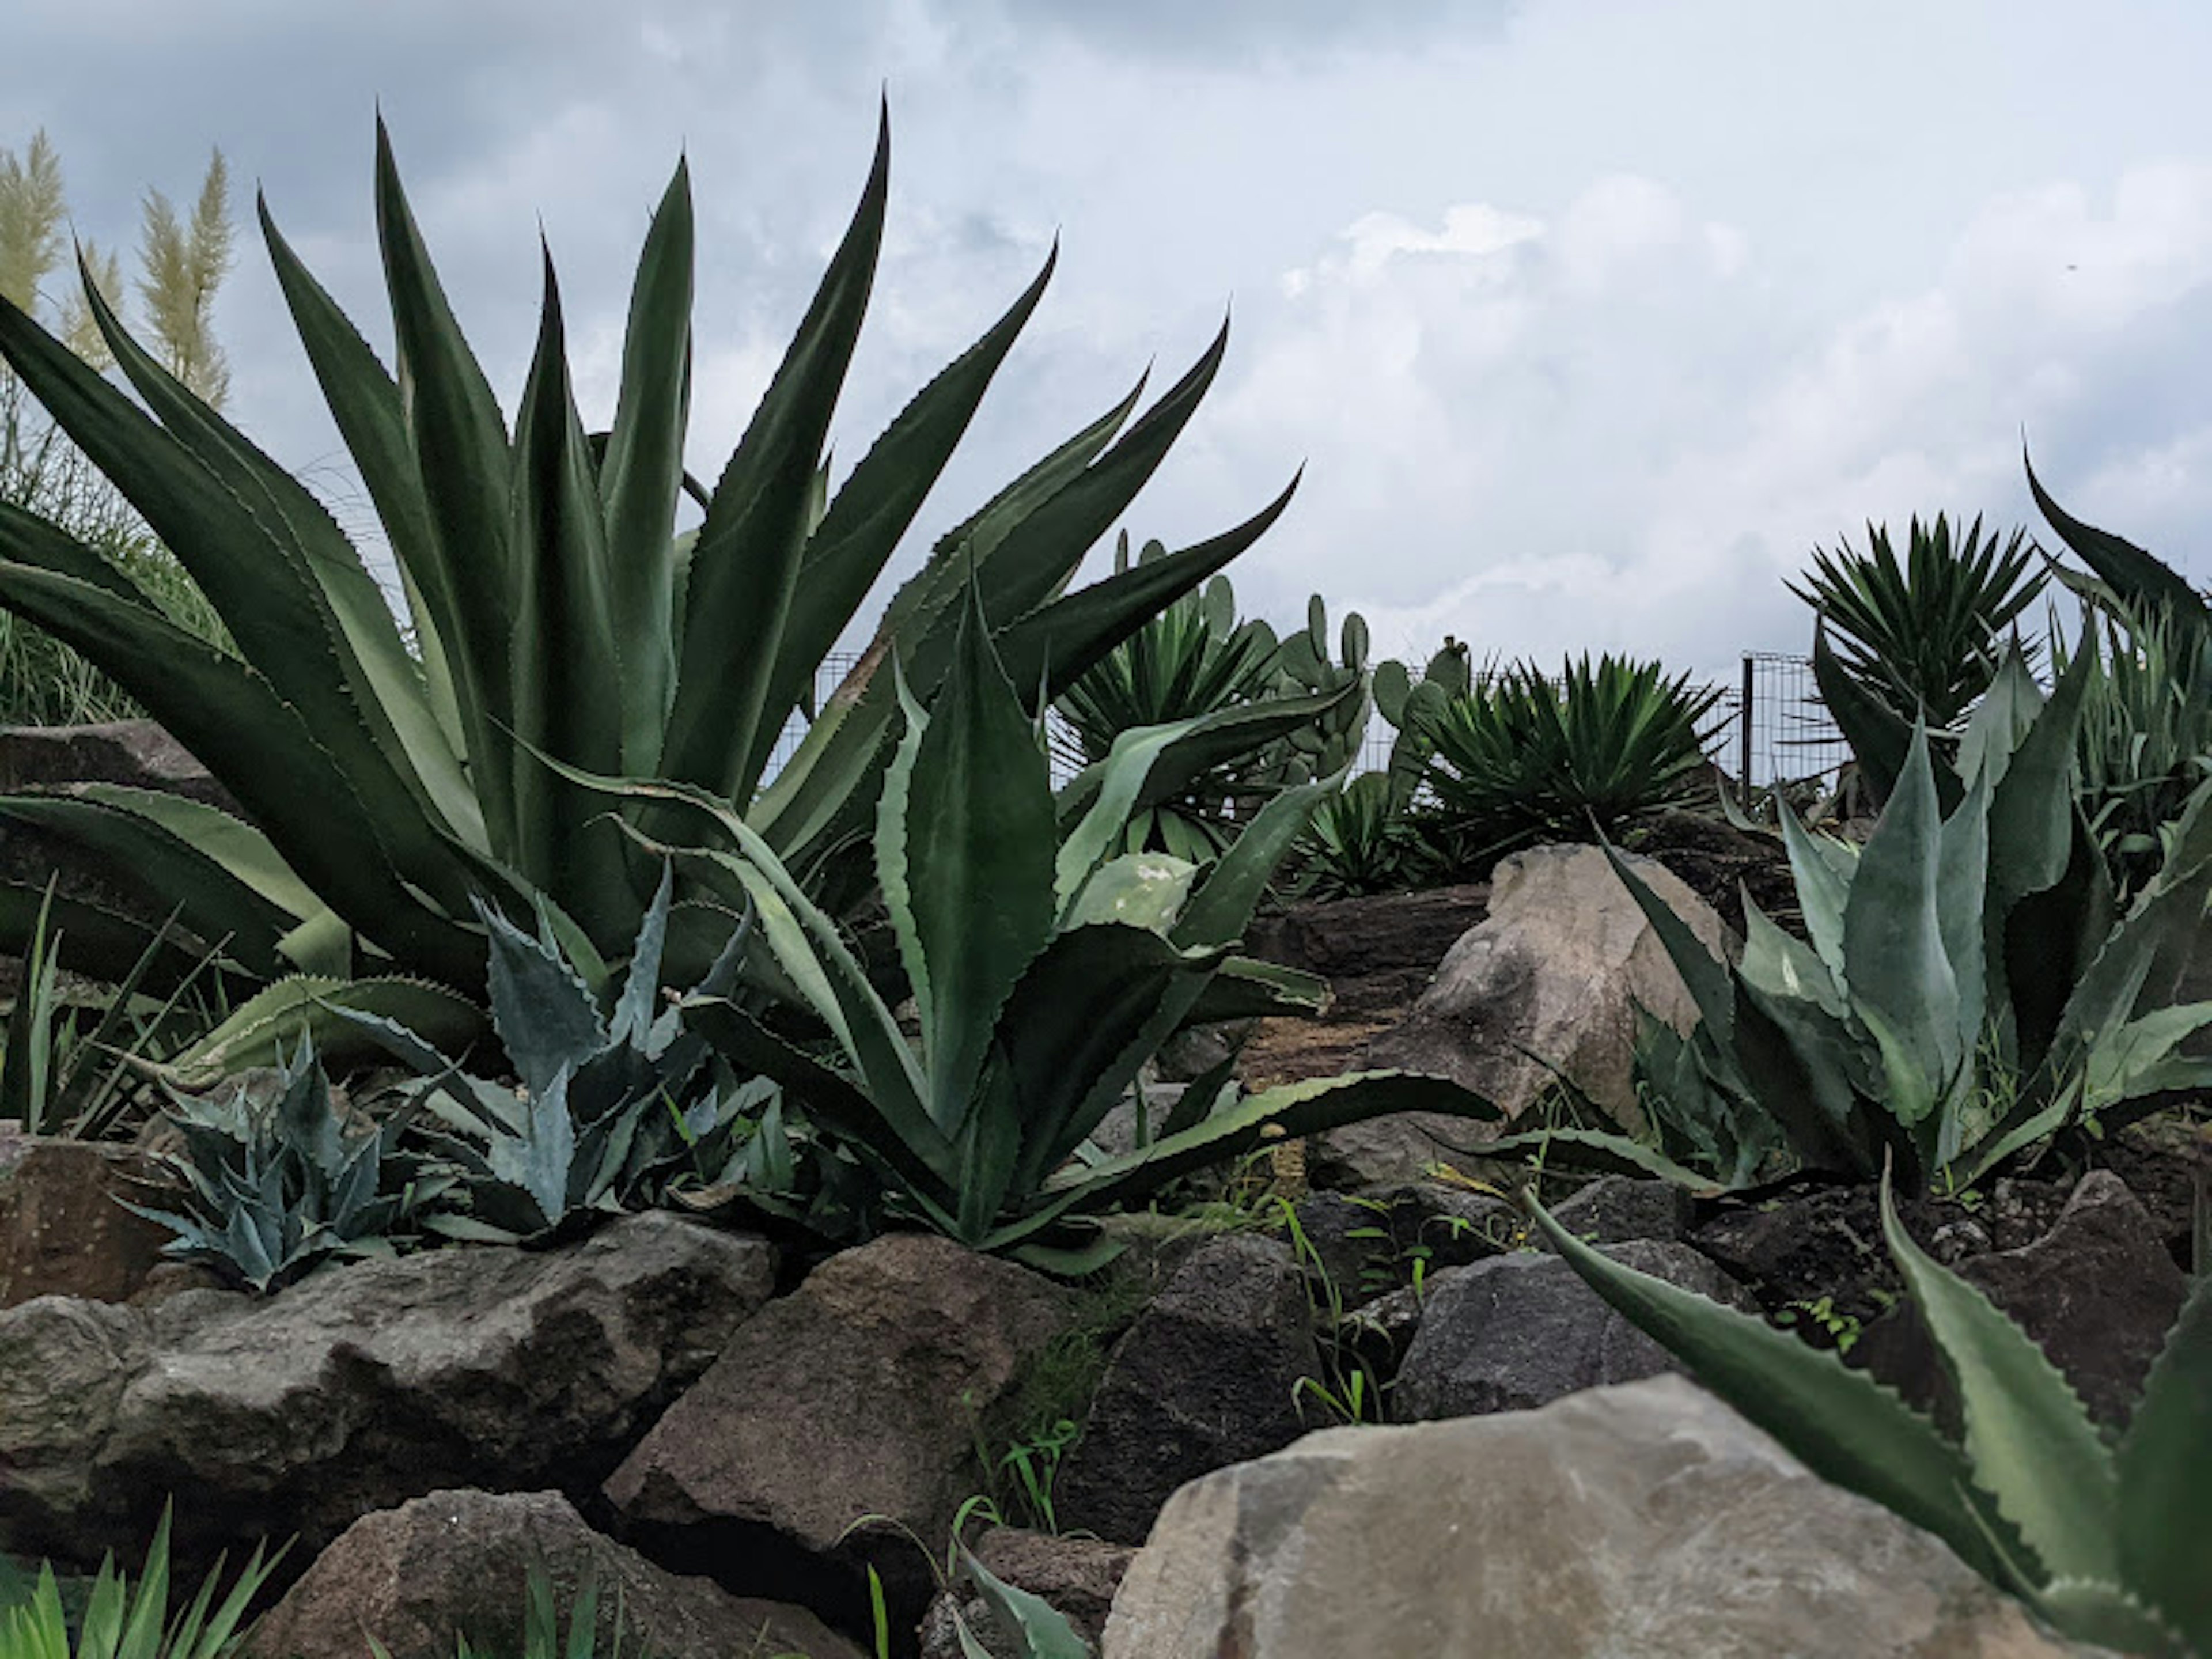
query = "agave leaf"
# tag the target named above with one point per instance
(1705, 978)
(2146, 954)
(541, 1008)
(1243, 987)
(1601, 1153)
(1902, 983)
(2002, 721)
(2164, 1503)
(2032, 1445)
(878, 504)
(1221, 909)
(639, 1003)
(1961, 872)
(1138, 889)
(1839, 1423)
(561, 646)
(747, 559)
(278, 1013)
(979, 848)
(226, 715)
(642, 478)
(1110, 788)
(219, 903)
(232, 842)
(1879, 738)
(461, 456)
(1028, 1621)
(1822, 891)
(2137, 576)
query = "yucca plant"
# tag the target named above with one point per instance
(2105, 1542)
(1361, 840)
(1967, 990)
(1922, 638)
(1282, 711)
(119, 1623)
(1046, 968)
(389, 779)
(1517, 758)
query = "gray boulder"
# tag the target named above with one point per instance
(1077, 1576)
(360, 1386)
(1551, 977)
(862, 1394)
(1520, 1331)
(62, 1231)
(1648, 1520)
(1206, 1377)
(456, 1563)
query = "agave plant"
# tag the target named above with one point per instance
(278, 1181)
(1923, 639)
(1283, 711)
(120, 1623)
(2104, 1542)
(388, 778)
(1517, 757)
(1045, 967)
(1966, 992)
(613, 1102)
(1361, 840)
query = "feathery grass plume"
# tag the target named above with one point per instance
(31, 213)
(183, 264)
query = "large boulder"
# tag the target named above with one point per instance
(863, 1395)
(358, 1389)
(455, 1563)
(1551, 977)
(136, 753)
(1648, 1520)
(1522, 1330)
(62, 1230)
(1207, 1376)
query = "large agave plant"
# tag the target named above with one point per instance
(2105, 1542)
(1967, 990)
(388, 778)
(1046, 968)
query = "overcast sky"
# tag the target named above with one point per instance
(1587, 318)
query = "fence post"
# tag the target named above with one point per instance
(1743, 735)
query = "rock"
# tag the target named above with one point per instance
(863, 1393)
(1557, 970)
(2099, 1293)
(1522, 1330)
(1648, 1520)
(62, 1231)
(1076, 1575)
(138, 753)
(361, 1386)
(1206, 1377)
(1824, 1242)
(1360, 937)
(456, 1563)
(1615, 1209)
(1371, 1243)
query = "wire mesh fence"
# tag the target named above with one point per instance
(1769, 727)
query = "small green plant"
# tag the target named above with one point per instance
(1348, 1390)
(2104, 1541)
(541, 1636)
(1820, 1312)
(119, 1623)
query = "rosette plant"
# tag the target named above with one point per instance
(1046, 965)
(387, 778)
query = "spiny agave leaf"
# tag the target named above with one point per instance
(383, 692)
(1221, 909)
(747, 558)
(2145, 954)
(1839, 1423)
(539, 1161)
(459, 445)
(228, 715)
(1878, 737)
(878, 504)
(1026, 1619)
(218, 901)
(2001, 719)
(365, 403)
(1599, 1151)
(1961, 878)
(561, 653)
(541, 1008)
(2109, 1616)
(1706, 979)
(2164, 1502)
(1291, 1111)
(980, 846)
(278, 1014)
(641, 993)
(642, 478)
(1243, 987)
(1110, 788)
(1902, 981)
(232, 842)
(2032, 1445)
(2139, 577)
(27, 537)
(1138, 889)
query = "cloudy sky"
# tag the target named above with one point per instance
(1587, 318)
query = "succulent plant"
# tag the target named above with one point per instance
(2105, 1542)
(1046, 964)
(389, 779)
(121, 1623)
